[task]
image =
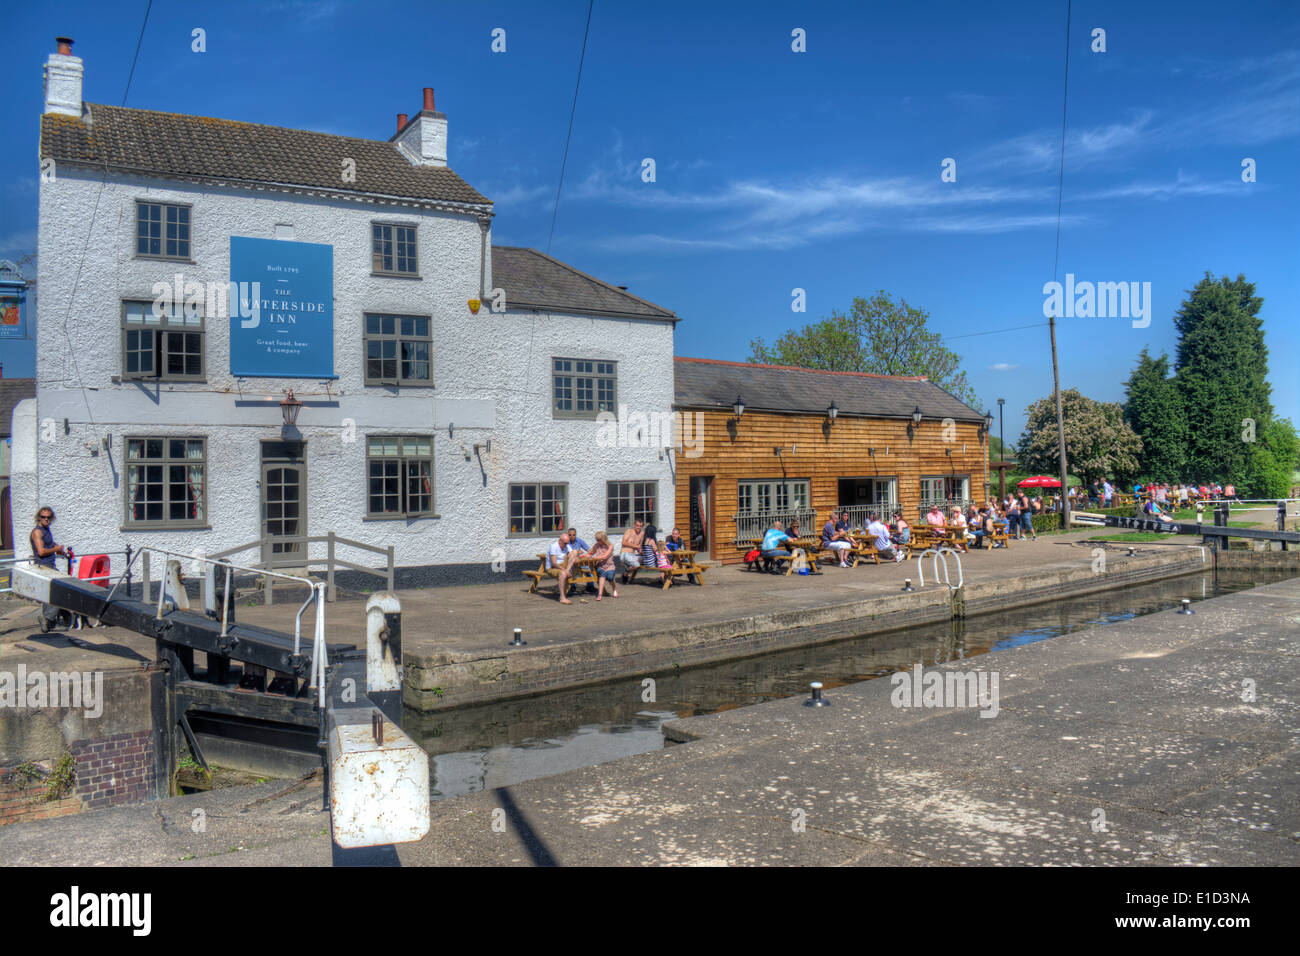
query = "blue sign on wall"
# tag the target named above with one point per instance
(281, 308)
(13, 302)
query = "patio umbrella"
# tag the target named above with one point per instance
(1040, 481)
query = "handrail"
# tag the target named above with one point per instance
(935, 555)
(328, 563)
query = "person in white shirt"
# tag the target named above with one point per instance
(879, 533)
(560, 556)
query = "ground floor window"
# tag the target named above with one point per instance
(628, 501)
(538, 509)
(166, 482)
(400, 473)
(762, 495)
(944, 488)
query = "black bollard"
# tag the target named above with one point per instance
(518, 640)
(1187, 607)
(816, 700)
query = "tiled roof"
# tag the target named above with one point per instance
(707, 383)
(533, 280)
(173, 144)
(13, 391)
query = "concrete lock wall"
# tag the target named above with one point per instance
(111, 748)
(491, 381)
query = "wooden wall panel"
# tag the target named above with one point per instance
(729, 451)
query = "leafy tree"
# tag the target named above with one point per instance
(1154, 410)
(1222, 376)
(1098, 442)
(998, 452)
(1271, 461)
(876, 335)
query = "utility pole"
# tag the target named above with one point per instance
(1002, 457)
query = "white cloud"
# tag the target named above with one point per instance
(1002, 367)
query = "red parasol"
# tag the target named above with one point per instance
(1040, 481)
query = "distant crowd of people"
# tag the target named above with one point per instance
(639, 548)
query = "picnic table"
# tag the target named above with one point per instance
(809, 546)
(684, 563)
(584, 572)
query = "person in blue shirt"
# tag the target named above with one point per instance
(773, 546)
(43, 552)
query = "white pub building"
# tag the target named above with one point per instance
(194, 271)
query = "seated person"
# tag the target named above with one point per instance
(879, 534)
(631, 549)
(902, 530)
(958, 527)
(936, 521)
(774, 545)
(1153, 510)
(560, 557)
(844, 524)
(976, 526)
(838, 541)
(675, 541)
(603, 554)
(650, 547)
(664, 562)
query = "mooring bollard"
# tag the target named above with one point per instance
(816, 700)
(907, 584)
(518, 639)
(384, 654)
(1187, 607)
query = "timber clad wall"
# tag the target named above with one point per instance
(731, 451)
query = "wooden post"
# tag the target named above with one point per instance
(144, 577)
(390, 567)
(329, 567)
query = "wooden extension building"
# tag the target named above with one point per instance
(765, 442)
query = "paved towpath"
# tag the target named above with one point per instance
(1118, 745)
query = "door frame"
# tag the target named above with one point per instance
(267, 462)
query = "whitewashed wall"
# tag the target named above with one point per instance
(491, 380)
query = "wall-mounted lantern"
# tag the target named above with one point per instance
(832, 413)
(738, 407)
(988, 422)
(290, 408)
(916, 423)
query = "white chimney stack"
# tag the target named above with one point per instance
(424, 139)
(63, 73)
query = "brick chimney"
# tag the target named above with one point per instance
(63, 73)
(423, 140)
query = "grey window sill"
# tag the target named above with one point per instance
(399, 517)
(159, 527)
(164, 259)
(394, 275)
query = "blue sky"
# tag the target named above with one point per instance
(778, 170)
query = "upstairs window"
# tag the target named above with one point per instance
(167, 346)
(393, 249)
(162, 231)
(400, 475)
(583, 388)
(398, 350)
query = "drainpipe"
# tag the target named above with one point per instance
(482, 258)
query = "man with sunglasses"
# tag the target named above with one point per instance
(43, 551)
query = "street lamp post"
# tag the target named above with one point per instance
(1002, 442)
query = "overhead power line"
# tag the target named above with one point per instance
(568, 136)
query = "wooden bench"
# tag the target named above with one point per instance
(684, 563)
(999, 536)
(583, 573)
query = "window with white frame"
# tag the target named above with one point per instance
(765, 495)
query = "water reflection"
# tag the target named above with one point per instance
(495, 745)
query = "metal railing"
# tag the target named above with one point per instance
(935, 555)
(884, 509)
(945, 505)
(755, 524)
(6, 572)
(329, 562)
(211, 564)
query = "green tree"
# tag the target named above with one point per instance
(876, 335)
(1154, 410)
(1098, 442)
(1221, 374)
(997, 452)
(1272, 460)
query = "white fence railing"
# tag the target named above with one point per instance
(754, 524)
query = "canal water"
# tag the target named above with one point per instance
(499, 744)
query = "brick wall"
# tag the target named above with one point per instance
(114, 770)
(23, 799)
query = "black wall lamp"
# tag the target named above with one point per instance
(290, 408)
(988, 423)
(738, 407)
(916, 422)
(832, 413)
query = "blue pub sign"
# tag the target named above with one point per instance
(13, 302)
(281, 308)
